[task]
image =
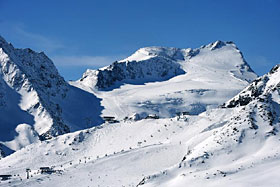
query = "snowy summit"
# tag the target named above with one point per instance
(165, 81)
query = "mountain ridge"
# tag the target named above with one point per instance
(34, 99)
(152, 55)
(184, 80)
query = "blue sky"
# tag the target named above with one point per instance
(83, 34)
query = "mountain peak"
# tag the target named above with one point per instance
(145, 53)
(2, 40)
(216, 45)
(5, 46)
(219, 44)
(154, 51)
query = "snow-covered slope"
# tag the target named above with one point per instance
(166, 81)
(35, 101)
(228, 146)
(241, 146)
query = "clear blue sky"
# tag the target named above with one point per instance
(83, 34)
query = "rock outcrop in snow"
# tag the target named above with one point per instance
(259, 89)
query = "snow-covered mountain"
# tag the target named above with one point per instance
(236, 144)
(36, 102)
(165, 81)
